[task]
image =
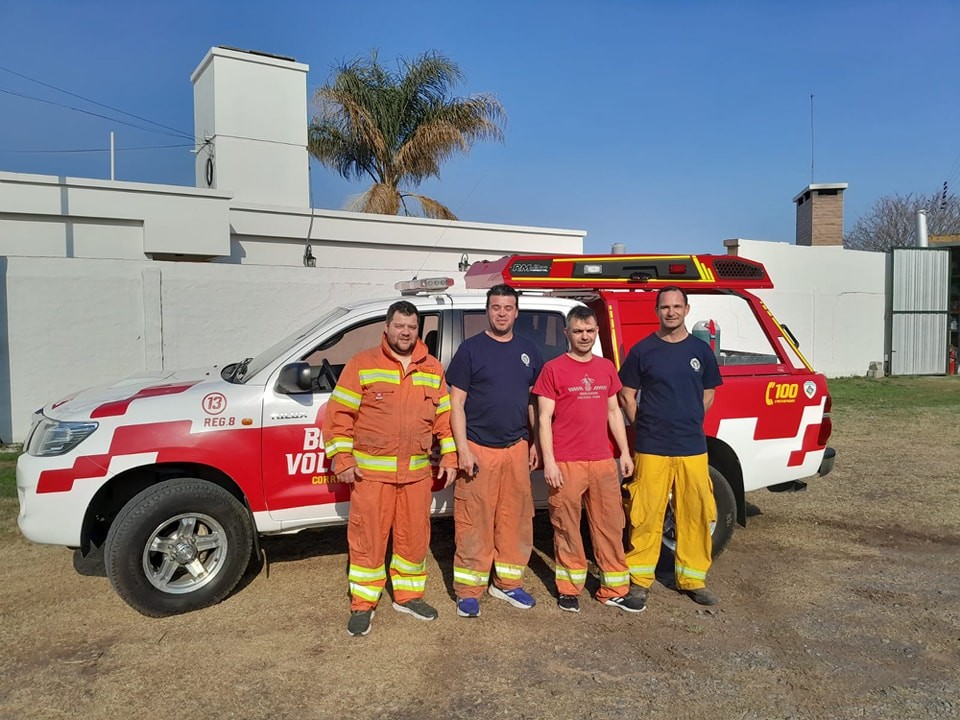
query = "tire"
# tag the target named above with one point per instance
(722, 529)
(178, 546)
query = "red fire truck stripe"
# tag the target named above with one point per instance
(119, 407)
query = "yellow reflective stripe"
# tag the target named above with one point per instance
(358, 573)
(419, 462)
(346, 397)
(514, 572)
(368, 377)
(691, 573)
(643, 569)
(338, 445)
(447, 445)
(386, 463)
(576, 577)
(367, 593)
(466, 576)
(444, 405)
(426, 379)
(416, 584)
(614, 579)
(407, 567)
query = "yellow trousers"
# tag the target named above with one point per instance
(654, 477)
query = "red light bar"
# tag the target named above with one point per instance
(677, 268)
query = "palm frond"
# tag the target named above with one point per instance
(398, 127)
(431, 208)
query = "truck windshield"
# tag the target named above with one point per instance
(279, 348)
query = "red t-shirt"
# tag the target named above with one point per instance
(581, 391)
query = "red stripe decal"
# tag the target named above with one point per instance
(119, 407)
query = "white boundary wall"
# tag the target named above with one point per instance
(832, 299)
(83, 301)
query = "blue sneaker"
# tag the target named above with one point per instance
(518, 597)
(468, 607)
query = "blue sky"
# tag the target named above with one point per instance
(667, 126)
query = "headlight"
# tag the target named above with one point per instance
(55, 437)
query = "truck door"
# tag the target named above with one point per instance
(299, 487)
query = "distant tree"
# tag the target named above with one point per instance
(398, 127)
(892, 221)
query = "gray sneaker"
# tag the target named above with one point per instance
(639, 591)
(418, 608)
(701, 596)
(628, 603)
(359, 623)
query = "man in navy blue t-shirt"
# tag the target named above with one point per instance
(675, 374)
(491, 412)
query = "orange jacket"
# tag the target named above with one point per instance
(383, 421)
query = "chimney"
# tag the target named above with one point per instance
(251, 107)
(820, 214)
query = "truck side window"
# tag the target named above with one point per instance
(339, 348)
(543, 327)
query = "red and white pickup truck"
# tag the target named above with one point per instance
(176, 475)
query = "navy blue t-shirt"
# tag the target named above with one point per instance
(671, 378)
(497, 377)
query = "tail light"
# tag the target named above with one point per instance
(826, 425)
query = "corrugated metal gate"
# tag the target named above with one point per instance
(919, 291)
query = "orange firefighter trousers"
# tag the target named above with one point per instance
(493, 517)
(375, 508)
(596, 485)
(695, 509)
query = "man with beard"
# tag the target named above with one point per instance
(389, 403)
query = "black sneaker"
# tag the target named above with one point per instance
(359, 623)
(569, 603)
(701, 596)
(628, 603)
(418, 608)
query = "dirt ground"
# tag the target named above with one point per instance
(842, 601)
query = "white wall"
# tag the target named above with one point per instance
(83, 303)
(832, 299)
(66, 324)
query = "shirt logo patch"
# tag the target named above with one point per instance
(378, 396)
(525, 359)
(587, 382)
(695, 364)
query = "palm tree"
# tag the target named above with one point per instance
(398, 127)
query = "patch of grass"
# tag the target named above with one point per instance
(899, 393)
(8, 474)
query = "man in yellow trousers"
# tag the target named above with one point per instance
(676, 375)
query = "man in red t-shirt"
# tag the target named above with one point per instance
(577, 406)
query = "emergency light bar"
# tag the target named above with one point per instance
(624, 272)
(426, 285)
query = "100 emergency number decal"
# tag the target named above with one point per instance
(781, 392)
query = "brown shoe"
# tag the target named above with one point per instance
(701, 596)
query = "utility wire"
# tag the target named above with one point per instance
(181, 133)
(86, 112)
(94, 150)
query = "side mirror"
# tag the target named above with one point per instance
(294, 379)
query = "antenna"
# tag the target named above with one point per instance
(811, 138)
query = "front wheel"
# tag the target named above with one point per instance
(722, 530)
(178, 546)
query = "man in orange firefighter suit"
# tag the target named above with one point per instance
(577, 400)
(676, 375)
(389, 403)
(490, 380)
